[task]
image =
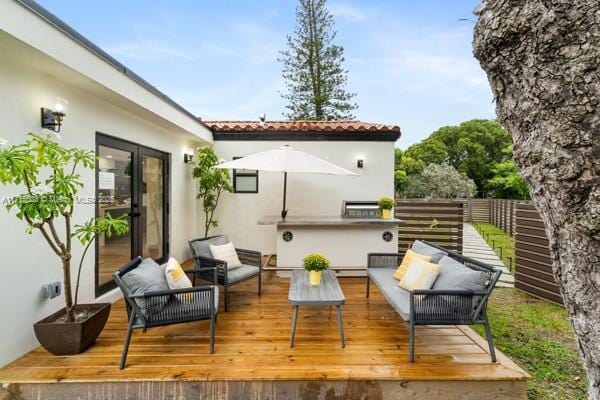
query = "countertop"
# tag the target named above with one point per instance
(296, 220)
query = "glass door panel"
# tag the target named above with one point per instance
(115, 195)
(131, 180)
(153, 207)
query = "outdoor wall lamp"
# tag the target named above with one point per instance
(360, 163)
(52, 119)
(187, 158)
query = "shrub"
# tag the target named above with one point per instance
(315, 262)
(386, 203)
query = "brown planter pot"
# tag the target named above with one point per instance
(66, 338)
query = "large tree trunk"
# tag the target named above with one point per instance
(542, 58)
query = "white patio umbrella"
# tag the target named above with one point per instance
(286, 159)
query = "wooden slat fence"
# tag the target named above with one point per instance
(502, 214)
(533, 273)
(477, 210)
(437, 221)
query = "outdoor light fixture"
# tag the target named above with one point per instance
(187, 158)
(360, 163)
(52, 119)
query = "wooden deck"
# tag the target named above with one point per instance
(253, 359)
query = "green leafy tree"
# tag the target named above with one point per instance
(313, 67)
(440, 181)
(212, 182)
(473, 148)
(49, 175)
(429, 151)
(405, 167)
(507, 182)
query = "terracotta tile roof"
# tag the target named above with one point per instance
(300, 126)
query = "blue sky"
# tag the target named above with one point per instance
(410, 61)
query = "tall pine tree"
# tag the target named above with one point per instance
(312, 68)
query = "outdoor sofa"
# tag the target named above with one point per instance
(463, 288)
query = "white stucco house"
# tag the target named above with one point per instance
(141, 137)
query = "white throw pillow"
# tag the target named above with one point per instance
(176, 277)
(227, 253)
(420, 275)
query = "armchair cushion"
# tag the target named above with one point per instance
(427, 250)
(146, 277)
(202, 247)
(227, 253)
(241, 273)
(455, 276)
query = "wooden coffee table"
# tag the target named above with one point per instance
(328, 293)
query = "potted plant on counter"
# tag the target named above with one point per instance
(315, 263)
(386, 204)
(49, 176)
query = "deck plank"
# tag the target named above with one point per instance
(252, 345)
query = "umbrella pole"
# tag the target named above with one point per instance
(284, 211)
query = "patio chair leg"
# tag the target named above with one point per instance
(127, 341)
(213, 319)
(259, 284)
(225, 296)
(488, 333)
(411, 332)
(368, 285)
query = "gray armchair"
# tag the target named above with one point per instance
(167, 307)
(251, 264)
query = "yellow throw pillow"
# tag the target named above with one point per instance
(176, 278)
(420, 275)
(406, 261)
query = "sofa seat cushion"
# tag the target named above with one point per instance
(398, 298)
(243, 272)
(427, 250)
(455, 276)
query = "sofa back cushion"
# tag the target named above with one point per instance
(455, 276)
(427, 250)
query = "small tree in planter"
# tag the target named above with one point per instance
(212, 182)
(385, 205)
(49, 175)
(315, 263)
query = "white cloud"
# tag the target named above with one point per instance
(146, 50)
(347, 12)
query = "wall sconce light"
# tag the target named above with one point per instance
(360, 163)
(52, 119)
(187, 158)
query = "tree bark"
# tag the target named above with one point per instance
(542, 59)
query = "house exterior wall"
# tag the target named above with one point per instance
(28, 81)
(307, 194)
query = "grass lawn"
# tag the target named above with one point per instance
(498, 239)
(537, 336)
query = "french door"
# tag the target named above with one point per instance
(132, 183)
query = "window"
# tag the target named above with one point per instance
(245, 180)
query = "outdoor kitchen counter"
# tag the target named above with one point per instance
(344, 241)
(324, 220)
